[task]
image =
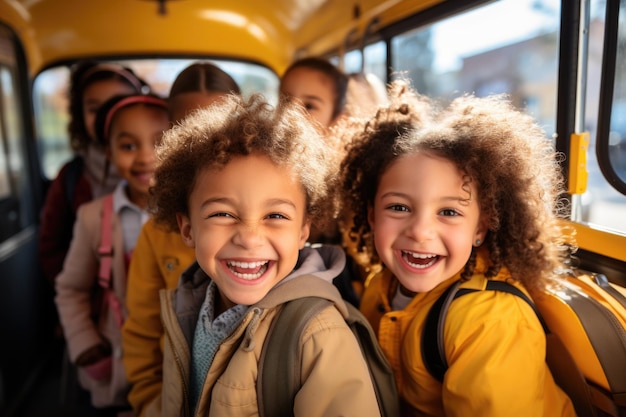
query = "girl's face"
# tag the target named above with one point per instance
(247, 223)
(183, 104)
(134, 133)
(95, 94)
(314, 89)
(424, 221)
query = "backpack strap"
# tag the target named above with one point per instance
(432, 343)
(105, 250)
(380, 371)
(603, 282)
(278, 379)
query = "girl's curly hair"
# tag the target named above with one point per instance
(501, 150)
(211, 137)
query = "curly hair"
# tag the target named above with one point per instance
(213, 136)
(501, 150)
(83, 75)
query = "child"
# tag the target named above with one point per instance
(322, 89)
(319, 86)
(91, 84)
(160, 255)
(243, 182)
(129, 128)
(470, 197)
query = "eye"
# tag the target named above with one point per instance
(127, 146)
(220, 214)
(449, 212)
(310, 106)
(397, 207)
(277, 216)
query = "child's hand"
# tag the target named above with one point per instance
(93, 354)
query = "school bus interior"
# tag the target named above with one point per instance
(562, 61)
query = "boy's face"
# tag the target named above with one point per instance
(247, 223)
(424, 225)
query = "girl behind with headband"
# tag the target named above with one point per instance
(81, 179)
(128, 128)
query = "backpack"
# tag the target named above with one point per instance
(283, 382)
(584, 321)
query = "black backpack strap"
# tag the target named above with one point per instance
(432, 343)
(278, 379)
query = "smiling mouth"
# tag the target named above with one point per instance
(248, 270)
(419, 260)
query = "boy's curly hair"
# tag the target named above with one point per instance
(502, 151)
(211, 137)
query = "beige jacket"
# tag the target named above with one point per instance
(335, 378)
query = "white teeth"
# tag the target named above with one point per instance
(246, 265)
(420, 255)
(408, 255)
(260, 265)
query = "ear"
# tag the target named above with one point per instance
(370, 216)
(305, 232)
(481, 231)
(186, 232)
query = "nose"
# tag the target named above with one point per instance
(420, 227)
(248, 235)
(146, 155)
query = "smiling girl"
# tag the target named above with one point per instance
(129, 127)
(466, 198)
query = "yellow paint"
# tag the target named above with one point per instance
(269, 33)
(579, 145)
(603, 242)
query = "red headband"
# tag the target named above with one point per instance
(127, 101)
(116, 69)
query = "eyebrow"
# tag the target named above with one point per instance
(444, 199)
(311, 97)
(224, 200)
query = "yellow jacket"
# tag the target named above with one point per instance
(494, 344)
(158, 261)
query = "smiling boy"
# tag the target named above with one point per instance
(243, 182)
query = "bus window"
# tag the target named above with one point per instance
(50, 96)
(509, 46)
(14, 177)
(353, 61)
(603, 205)
(617, 138)
(375, 58)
